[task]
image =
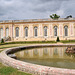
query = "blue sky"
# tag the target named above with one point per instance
(35, 9)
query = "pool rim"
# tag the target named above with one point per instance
(33, 68)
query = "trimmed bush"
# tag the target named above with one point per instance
(2, 40)
(28, 42)
(57, 39)
(68, 41)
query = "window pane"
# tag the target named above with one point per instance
(17, 32)
(55, 31)
(35, 31)
(26, 31)
(1, 33)
(66, 30)
(45, 31)
(7, 32)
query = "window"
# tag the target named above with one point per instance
(1, 33)
(55, 31)
(35, 31)
(45, 31)
(17, 31)
(66, 30)
(26, 31)
(7, 32)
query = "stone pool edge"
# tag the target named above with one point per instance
(34, 68)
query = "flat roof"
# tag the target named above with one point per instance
(37, 20)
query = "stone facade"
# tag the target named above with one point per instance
(63, 34)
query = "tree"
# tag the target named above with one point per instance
(54, 16)
(57, 39)
(2, 40)
(70, 16)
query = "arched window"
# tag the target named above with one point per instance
(55, 30)
(1, 33)
(66, 30)
(26, 31)
(17, 31)
(35, 31)
(7, 32)
(45, 31)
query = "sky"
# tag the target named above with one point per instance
(35, 9)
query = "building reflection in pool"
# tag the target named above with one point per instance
(48, 56)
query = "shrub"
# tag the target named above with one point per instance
(57, 39)
(2, 40)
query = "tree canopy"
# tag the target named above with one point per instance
(54, 16)
(70, 16)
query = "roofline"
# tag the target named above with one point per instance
(38, 20)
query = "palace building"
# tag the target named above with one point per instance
(38, 29)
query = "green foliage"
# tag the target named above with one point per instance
(70, 16)
(54, 16)
(6, 70)
(2, 40)
(68, 41)
(57, 39)
(29, 42)
(10, 71)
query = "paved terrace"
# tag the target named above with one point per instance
(33, 68)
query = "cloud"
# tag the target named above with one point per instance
(51, 6)
(31, 9)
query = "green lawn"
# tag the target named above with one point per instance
(12, 45)
(5, 70)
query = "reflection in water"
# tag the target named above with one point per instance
(48, 56)
(45, 51)
(26, 51)
(35, 51)
(55, 51)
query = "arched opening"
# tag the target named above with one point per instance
(7, 32)
(26, 31)
(65, 30)
(1, 33)
(17, 31)
(45, 30)
(35, 31)
(55, 30)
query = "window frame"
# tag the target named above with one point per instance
(35, 31)
(65, 31)
(1, 34)
(26, 31)
(55, 31)
(17, 35)
(45, 31)
(7, 33)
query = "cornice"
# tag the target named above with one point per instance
(38, 22)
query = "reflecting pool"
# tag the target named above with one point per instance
(48, 56)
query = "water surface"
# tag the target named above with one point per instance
(48, 56)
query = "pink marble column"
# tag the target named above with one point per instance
(31, 30)
(60, 30)
(11, 30)
(71, 30)
(51, 30)
(40, 30)
(3, 30)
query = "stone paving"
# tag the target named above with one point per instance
(33, 68)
